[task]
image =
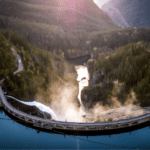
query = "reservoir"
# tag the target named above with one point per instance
(18, 136)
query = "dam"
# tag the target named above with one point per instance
(63, 125)
(71, 126)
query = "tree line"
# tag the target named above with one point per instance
(8, 60)
(41, 69)
(130, 65)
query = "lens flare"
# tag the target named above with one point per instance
(100, 3)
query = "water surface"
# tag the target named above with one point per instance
(14, 135)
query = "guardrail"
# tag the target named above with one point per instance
(50, 124)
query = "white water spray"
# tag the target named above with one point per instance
(83, 79)
(42, 107)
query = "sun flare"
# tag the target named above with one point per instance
(100, 3)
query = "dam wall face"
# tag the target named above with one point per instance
(71, 126)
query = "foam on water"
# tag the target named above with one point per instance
(83, 77)
(41, 107)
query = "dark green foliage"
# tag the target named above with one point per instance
(120, 37)
(8, 62)
(97, 94)
(48, 24)
(130, 64)
(41, 68)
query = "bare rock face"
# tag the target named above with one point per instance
(85, 98)
(90, 64)
(126, 13)
(115, 14)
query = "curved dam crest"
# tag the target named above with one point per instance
(50, 124)
(73, 126)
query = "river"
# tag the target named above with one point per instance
(16, 135)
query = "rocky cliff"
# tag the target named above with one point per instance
(126, 13)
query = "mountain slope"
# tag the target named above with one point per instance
(60, 13)
(43, 71)
(8, 62)
(51, 24)
(134, 13)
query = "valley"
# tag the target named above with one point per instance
(76, 67)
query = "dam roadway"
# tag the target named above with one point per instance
(71, 126)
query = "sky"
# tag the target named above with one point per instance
(100, 3)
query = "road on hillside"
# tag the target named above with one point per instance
(20, 65)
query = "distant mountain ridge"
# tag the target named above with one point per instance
(126, 13)
(79, 13)
(54, 24)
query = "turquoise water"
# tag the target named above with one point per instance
(14, 135)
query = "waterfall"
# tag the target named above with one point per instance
(42, 107)
(83, 79)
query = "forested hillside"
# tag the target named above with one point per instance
(103, 43)
(42, 69)
(50, 24)
(8, 62)
(130, 65)
(119, 37)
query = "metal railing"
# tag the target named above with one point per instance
(70, 125)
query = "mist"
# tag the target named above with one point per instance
(65, 101)
(116, 111)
